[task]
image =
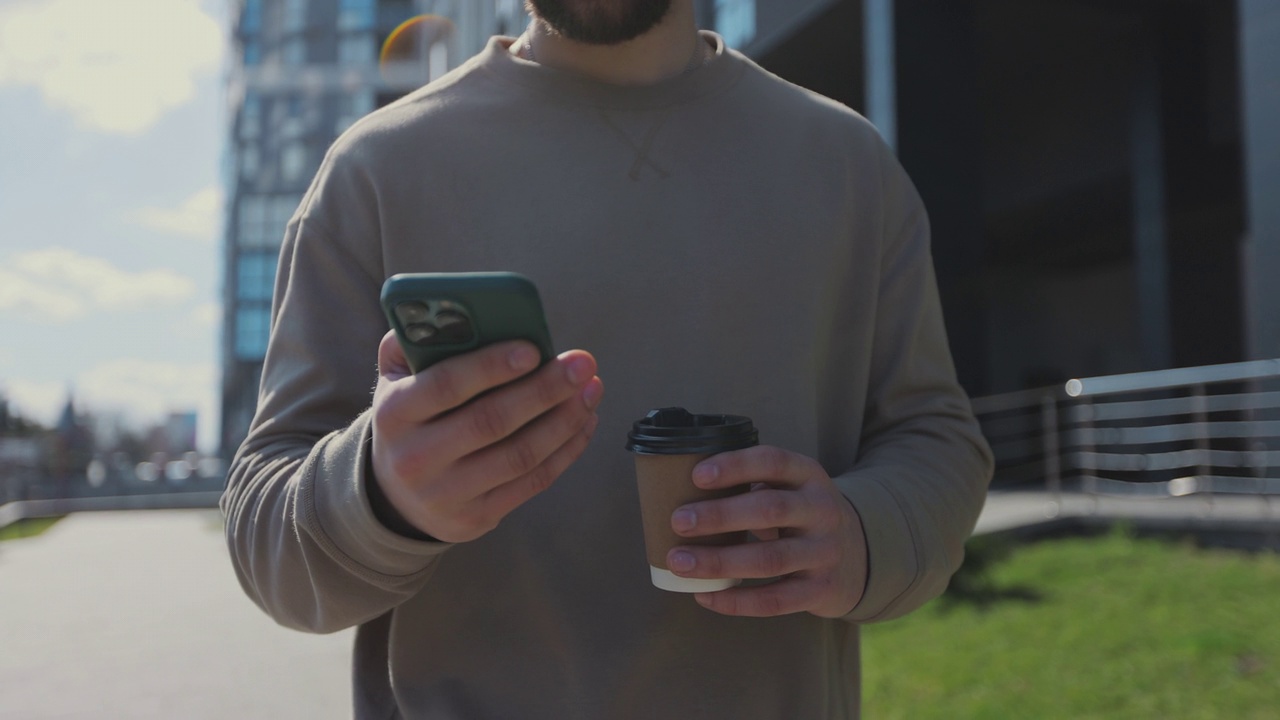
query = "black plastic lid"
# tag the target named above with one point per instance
(676, 431)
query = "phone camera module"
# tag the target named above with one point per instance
(421, 332)
(454, 327)
(413, 312)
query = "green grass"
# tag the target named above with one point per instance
(1109, 627)
(26, 528)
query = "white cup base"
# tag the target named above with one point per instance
(667, 580)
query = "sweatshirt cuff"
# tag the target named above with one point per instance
(893, 562)
(336, 486)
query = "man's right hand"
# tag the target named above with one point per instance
(454, 464)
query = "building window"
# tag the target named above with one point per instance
(293, 162)
(250, 162)
(295, 51)
(295, 15)
(352, 106)
(250, 115)
(438, 60)
(291, 116)
(357, 50)
(357, 14)
(736, 21)
(262, 219)
(256, 276)
(251, 18)
(510, 17)
(253, 329)
(252, 52)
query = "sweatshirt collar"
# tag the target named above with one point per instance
(720, 71)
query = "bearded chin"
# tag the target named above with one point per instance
(600, 22)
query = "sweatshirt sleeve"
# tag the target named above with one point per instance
(923, 467)
(304, 540)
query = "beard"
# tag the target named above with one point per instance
(600, 22)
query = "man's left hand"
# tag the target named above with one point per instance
(811, 538)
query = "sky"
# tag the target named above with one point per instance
(112, 127)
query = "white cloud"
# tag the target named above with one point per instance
(41, 401)
(197, 217)
(206, 316)
(149, 388)
(116, 65)
(141, 392)
(61, 284)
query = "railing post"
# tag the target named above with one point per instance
(1085, 453)
(1204, 470)
(1052, 453)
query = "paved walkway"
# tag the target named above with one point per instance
(138, 615)
(1011, 510)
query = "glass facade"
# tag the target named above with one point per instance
(307, 72)
(736, 21)
(357, 14)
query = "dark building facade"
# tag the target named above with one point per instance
(1102, 176)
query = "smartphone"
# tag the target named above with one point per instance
(439, 315)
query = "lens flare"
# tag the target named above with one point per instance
(408, 49)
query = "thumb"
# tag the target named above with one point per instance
(392, 363)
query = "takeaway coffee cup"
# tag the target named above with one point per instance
(667, 444)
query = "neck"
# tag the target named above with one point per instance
(663, 52)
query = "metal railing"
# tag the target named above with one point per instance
(1212, 429)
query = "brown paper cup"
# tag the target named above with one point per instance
(667, 444)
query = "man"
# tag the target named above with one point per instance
(718, 239)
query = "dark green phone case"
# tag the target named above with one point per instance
(497, 305)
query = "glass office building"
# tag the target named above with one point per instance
(304, 71)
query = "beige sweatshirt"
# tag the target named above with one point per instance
(723, 241)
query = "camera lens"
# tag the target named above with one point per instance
(420, 332)
(411, 312)
(454, 326)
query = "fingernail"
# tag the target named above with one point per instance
(681, 561)
(705, 474)
(579, 370)
(523, 358)
(590, 427)
(684, 520)
(591, 395)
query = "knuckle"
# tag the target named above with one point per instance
(774, 508)
(487, 421)
(445, 389)
(520, 458)
(403, 466)
(540, 479)
(769, 603)
(773, 558)
(773, 460)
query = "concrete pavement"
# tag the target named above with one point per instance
(138, 615)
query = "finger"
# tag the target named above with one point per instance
(497, 415)
(526, 449)
(392, 364)
(759, 510)
(452, 382)
(784, 597)
(500, 501)
(749, 560)
(763, 463)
